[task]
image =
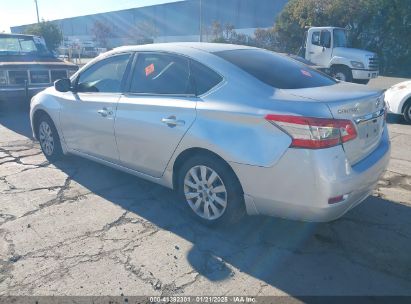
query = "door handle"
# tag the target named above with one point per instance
(312, 53)
(173, 122)
(104, 112)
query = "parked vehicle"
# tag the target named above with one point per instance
(88, 49)
(27, 67)
(327, 49)
(233, 129)
(398, 99)
(101, 51)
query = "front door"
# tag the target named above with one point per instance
(320, 50)
(88, 115)
(154, 116)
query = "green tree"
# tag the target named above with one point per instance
(217, 32)
(265, 38)
(143, 33)
(298, 14)
(387, 32)
(228, 31)
(228, 34)
(382, 26)
(49, 31)
(102, 32)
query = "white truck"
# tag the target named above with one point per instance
(326, 48)
(88, 49)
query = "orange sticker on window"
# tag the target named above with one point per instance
(150, 69)
(306, 73)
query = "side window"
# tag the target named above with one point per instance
(316, 38)
(158, 73)
(27, 45)
(325, 39)
(204, 78)
(105, 76)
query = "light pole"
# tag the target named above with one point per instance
(37, 10)
(201, 20)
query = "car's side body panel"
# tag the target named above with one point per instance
(144, 138)
(47, 102)
(84, 128)
(117, 166)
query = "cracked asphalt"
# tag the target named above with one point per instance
(78, 228)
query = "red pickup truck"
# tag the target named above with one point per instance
(28, 67)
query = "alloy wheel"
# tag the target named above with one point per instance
(205, 192)
(46, 138)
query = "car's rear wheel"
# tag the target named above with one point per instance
(211, 190)
(49, 138)
(342, 73)
(407, 111)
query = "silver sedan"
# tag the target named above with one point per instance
(233, 129)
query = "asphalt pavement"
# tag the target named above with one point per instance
(81, 229)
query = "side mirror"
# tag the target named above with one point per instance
(62, 85)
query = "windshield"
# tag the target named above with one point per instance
(340, 38)
(276, 70)
(22, 46)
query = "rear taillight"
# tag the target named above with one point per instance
(314, 133)
(338, 199)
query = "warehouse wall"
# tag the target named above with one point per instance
(178, 21)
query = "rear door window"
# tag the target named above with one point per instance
(276, 70)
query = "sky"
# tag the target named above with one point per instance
(19, 12)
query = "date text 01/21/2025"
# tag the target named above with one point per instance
(202, 299)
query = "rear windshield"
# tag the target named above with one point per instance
(276, 70)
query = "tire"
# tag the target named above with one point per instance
(49, 139)
(221, 191)
(362, 81)
(407, 112)
(342, 73)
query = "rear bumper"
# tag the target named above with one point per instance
(19, 94)
(299, 186)
(364, 74)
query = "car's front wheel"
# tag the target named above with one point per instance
(211, 190)
(49, 138)
(342, 73)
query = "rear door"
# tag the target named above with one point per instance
(154, 115)
(87, 115)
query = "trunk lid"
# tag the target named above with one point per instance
(363, 106)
